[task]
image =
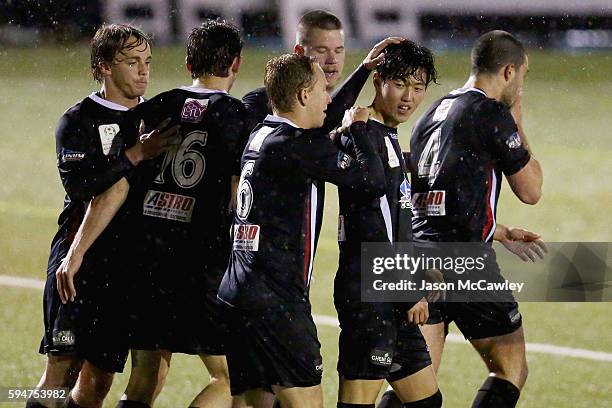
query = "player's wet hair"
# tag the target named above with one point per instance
(285, 77)
(405, 60)
(113, 39)
(321, 19)
(494, 50)
(212, 47)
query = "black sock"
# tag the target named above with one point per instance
(72, 404)
(132, 404)
(343, 405)
(34, 405)
(498, 393)
(389, 400)
(434, 401)
(276, 403)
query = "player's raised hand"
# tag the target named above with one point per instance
(525, 244)
(64, 276)
(154, 143)
(419, 313)
(376, 56)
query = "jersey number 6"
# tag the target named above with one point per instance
(188, 164)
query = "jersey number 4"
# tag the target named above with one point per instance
(188, 164)
(429, 165)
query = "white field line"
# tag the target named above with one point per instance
(323, 320)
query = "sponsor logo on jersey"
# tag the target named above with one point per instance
(344, 161)
(393, 136)
(381, 358)
(405, 195)
(514, 141)
(63, 338)
(71, 156)
(318, 366)
(246, 237)
(193, 110)
(429, 204)
(170, 206)
(107, 135)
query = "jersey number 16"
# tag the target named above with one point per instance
(188, 164)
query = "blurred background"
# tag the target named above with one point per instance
(567, 107)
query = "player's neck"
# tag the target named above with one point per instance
(379, 116)
(112, 94)
(297, 117)
(213, 82)
(487, 84)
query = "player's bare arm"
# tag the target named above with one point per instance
(527, 182)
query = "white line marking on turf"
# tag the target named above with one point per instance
(331, 321)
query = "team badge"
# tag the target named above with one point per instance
(193, 110)
(514, 141)
(107, 135)
(405, 195)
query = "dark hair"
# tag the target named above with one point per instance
(212, 47)
(285, 76)
(321, 19)
(113, 39)
(405, 59)
(493, 50)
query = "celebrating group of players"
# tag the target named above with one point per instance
(191, 220)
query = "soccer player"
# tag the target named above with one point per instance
(92, 156)
(180, 222)
(320, 36)
(460, 148)
(380, 340)
(266, 283)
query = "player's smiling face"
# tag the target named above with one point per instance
(396, 99)
(129, 72)
(327, 48)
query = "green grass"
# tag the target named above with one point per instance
(567, 106)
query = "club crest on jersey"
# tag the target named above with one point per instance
(71, 156)
(193, 110)
(344, 161)
(63, 338)
(405, 195)
(246, 237)
(429, 204)
(514, 141)
(107, 135)
(170, 206)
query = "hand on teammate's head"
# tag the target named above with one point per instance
(376, 56)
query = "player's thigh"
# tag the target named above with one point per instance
(505, 356)
(417, 386)
(358, 391)
(435, 336)
(299, 397)
(216, 366)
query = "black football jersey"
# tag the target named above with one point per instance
(459, 149)
(273, 233)
(90, 139)
(183, 196)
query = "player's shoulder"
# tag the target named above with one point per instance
(256, 95)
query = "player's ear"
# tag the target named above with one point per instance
(377, 80)
(235, 67)
(104, 68)
(188, 65)
(509, 72)
(302, 96)
(298, 49)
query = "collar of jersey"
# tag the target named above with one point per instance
(201, 90)
(111, 105)
(461, 91)
(378, 121)
(279, 119)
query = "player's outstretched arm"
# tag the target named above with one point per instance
(525, 244)
(99, 214)
(319, 157)
(347, 94)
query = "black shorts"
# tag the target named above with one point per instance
(273, 348)
(376, 343)
(175, 307)
(477, 320)
(100, 314)
(59, 319)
